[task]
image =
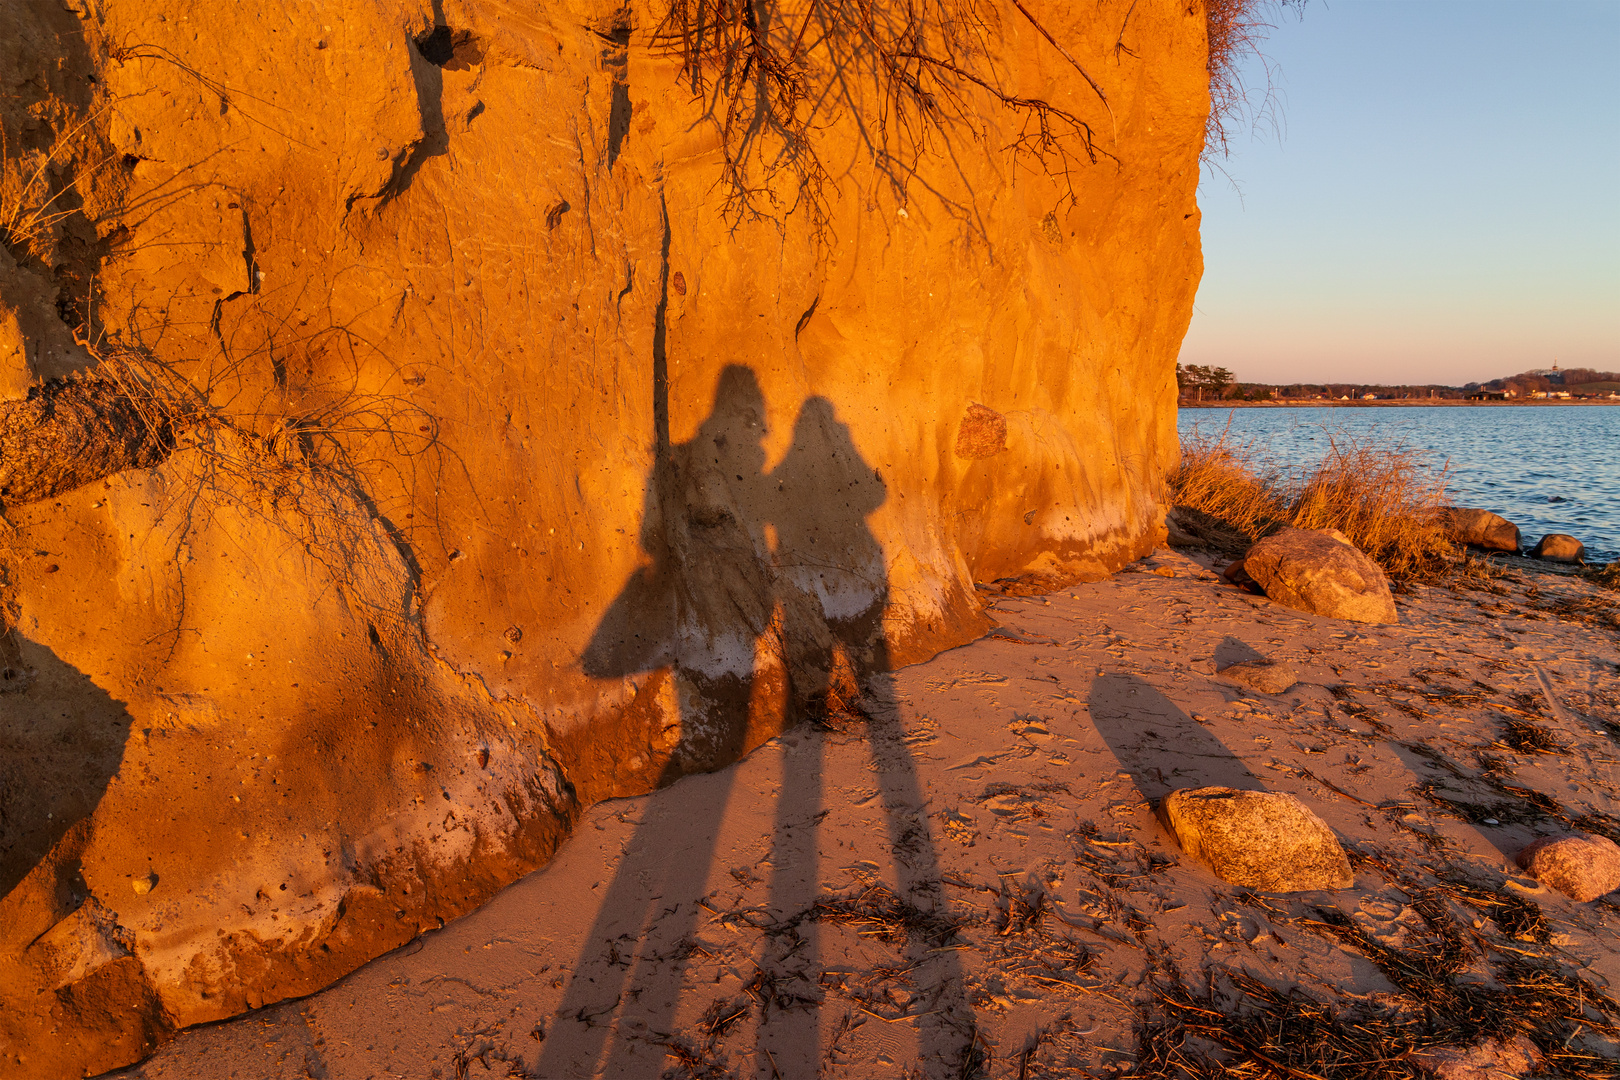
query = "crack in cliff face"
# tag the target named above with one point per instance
(616, 59)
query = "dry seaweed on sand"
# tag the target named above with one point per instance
(697, 1060)
(1117, 863)
(1528, 738)
(1458, 986)
(1241, 1026)
(876, 912)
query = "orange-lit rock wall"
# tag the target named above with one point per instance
(537, 477)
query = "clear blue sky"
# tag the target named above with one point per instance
(1440, 200)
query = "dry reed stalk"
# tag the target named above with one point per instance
(1383, 497)
(1237, 29)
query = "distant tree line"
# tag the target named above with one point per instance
(1575, 380)
(1199, 382)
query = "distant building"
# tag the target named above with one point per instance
(1369, 397)
(1488, 395)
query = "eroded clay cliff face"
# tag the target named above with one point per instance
(503, 465)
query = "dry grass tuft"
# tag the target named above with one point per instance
(1383, 497)
(1237, 29)
(1608, 575)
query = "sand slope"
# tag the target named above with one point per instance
(974, 883)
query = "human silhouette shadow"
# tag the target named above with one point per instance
(51, 714)
(745, 564)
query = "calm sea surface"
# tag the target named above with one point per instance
(1544, 468)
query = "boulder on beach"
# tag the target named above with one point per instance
(1581, 866)
(1481, 529)
(1266, 676)
(1257, 839)
(1559, 547)
(1321, 572)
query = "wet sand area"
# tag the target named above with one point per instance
(971, 880)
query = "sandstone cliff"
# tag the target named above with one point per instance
(496, 417)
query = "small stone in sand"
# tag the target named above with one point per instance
(1583, 867)
(1257, 839)
(145, 884)
(1493, 1059)
(1266, 676)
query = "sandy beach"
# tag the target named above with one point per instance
(972, 880)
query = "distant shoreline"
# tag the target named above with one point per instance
(1407, 403)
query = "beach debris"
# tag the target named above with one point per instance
(1321, 572)
(1235, 573)
(1559, 547)
(1581, 866)
(1266, 676)
(1179, 532)
(1481, 529)
(1257, 839)
(1493, 1059)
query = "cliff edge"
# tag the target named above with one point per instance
(419, 422)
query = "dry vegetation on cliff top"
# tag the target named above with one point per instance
(1385, 498)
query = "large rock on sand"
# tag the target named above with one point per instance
(1320, 571)
(1266, 676)
(1559, 547)
(1258, 839)
(1481, 529)
(544, 463)
(1583, 867)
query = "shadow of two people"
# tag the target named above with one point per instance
(765, 593)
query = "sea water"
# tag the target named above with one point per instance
(1545, 468)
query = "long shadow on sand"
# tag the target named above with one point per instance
(779, 567)
(1159, 745)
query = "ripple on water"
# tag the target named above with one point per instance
(1545, 468)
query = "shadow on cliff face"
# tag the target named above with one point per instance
(61, 742)
(765, 595)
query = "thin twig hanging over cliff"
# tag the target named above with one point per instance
(772, 81)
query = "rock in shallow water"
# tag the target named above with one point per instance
(1259, 839)
(1583, 867)
(1559, 547)
(1482, 529)
(1321, 572)
(1266, 676)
